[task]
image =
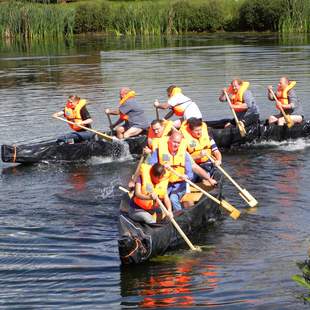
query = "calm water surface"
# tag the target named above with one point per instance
(58, 222)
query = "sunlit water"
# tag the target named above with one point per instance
(58, 232)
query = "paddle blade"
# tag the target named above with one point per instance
(290, 123)
(234, 213)
(241, 129)
(248, 198)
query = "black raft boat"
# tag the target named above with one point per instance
(50, 151)
(224, 137)
(139, 242)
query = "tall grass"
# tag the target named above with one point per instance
(32, 20)
(296, 17)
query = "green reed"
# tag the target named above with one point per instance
(32, 20)
(296, 18)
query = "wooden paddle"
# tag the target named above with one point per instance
(173, 221)
(137, 172)
(247, 197)
(239, 124)
(157, 112)
(110, 121)
(176, 226)
(101, 134)
(287, 117)
(233, 212)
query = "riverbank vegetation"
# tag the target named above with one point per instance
(48, 18)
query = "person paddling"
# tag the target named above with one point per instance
(200, 144)
(287, 98)
(151, 184)
(130, 112)
(243, 103)
(172, 152)
(75, 111)
(180, 105)
(157, 130)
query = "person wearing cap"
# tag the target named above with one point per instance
(129, 111)
(76, 112)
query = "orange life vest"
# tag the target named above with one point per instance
(74, 114)
(131, 94)
(237, 98)
(177, 161)
(148, 187)
(155, 140)
(194, 145)
(282, 95)
(179, 109)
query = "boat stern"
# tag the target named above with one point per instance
(134, 245)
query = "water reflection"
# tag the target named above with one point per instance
(179, 283)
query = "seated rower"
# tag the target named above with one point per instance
(199, 145)
(157, 130)
(151, 184)
(286, 95)
(180, 105)
(130, 112)
(172, 152)
(75, 111)
(243, 103)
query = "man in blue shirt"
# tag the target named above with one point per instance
(172, 152)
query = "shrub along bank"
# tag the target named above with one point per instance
(31, 19)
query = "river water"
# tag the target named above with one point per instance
(58, 222)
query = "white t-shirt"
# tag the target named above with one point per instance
(190, 107)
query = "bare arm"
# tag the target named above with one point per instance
(218, 157)
(164, 105)
(58, 114)
(139, 194)
(201, 172)
(86, 122)
(112, 111)
(222, 96)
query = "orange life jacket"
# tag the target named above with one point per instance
(237, 98)
(148, 187)
(155, 140)
(131, 94)
(179, 109)
(194, 145)
(282, 95)
(177, 162)
(74, 114)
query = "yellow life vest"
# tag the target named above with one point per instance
(177, 161)
(147, 187)
(74, 114)
(122, 101)
(194, 145)
(237, 98)
(282, 95)
(154, 140)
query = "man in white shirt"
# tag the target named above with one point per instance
(180, 106)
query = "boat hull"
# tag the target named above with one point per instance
(225, 138)
(140, 242)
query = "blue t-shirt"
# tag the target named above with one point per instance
(153, 159)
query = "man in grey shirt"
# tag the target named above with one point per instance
(243, 103)
(131, 112)
(287, 98)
